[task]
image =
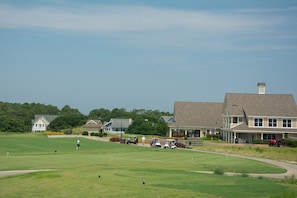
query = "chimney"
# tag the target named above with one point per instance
(261, 87)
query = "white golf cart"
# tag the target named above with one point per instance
(155, 142)
(170, 143)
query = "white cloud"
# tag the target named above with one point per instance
(128, 18)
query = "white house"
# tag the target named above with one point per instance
(40, 122)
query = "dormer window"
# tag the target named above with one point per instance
(258, 122)
(287, 123)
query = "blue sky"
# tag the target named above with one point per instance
(138, 54)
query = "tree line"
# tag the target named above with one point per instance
(16, 117)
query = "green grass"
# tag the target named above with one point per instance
(123, 169)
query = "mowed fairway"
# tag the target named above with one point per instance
(105, 169)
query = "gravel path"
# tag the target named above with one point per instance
(291, 168)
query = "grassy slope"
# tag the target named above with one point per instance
(122, 169)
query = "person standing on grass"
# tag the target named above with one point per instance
(143, 140)
(77, 144)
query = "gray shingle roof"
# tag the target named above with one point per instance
(202, 114)
(121, 123)
(278, 105)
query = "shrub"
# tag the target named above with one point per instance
(178, 134)
(53, 133)
(85, 133)
(68, 131)
(115, 139)
(94, 134)
(291, 143)
(181, 145)
(290, 179)
(218, 171)
(260, 141)
(244, 175)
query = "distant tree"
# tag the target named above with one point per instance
(102, 114)
(119, 113)
(67, 122)
(161, 128)
(68, 110)
(15, 117)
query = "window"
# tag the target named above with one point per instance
(272, 122)
(287, 123)
(235, 120)
(258, 122)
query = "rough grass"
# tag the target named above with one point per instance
(263, 151)
(125, 171)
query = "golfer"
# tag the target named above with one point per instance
(143, 140)
(77, 144)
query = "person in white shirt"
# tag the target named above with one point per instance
(143, 140)
(77, 144)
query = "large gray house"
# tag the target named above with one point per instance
(241, 117)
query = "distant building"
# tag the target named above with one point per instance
(93, 126)
(196, 119)
(248, 117)
(241, 118)
(41, 122)
(117, 126)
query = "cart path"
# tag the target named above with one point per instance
(18, 172)
(290, 167)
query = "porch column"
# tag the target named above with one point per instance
(186, 132)
(261, 136)
(234, 138)
(170, 132)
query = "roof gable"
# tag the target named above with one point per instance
(207, 114)
(279, 105)
(46, 118)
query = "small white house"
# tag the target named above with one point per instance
(40, 122)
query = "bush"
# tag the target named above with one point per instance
(178, 134)
(85, 133)
(260, 141)
(291, 180)
(244, 175)
(53, 133)
(180, 145)
(115, 139)
(94, 134)
(218, 171)
(68, 131)
(291, 143)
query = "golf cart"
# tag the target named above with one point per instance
(170, 143)
(132, 140)
(155, 142)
